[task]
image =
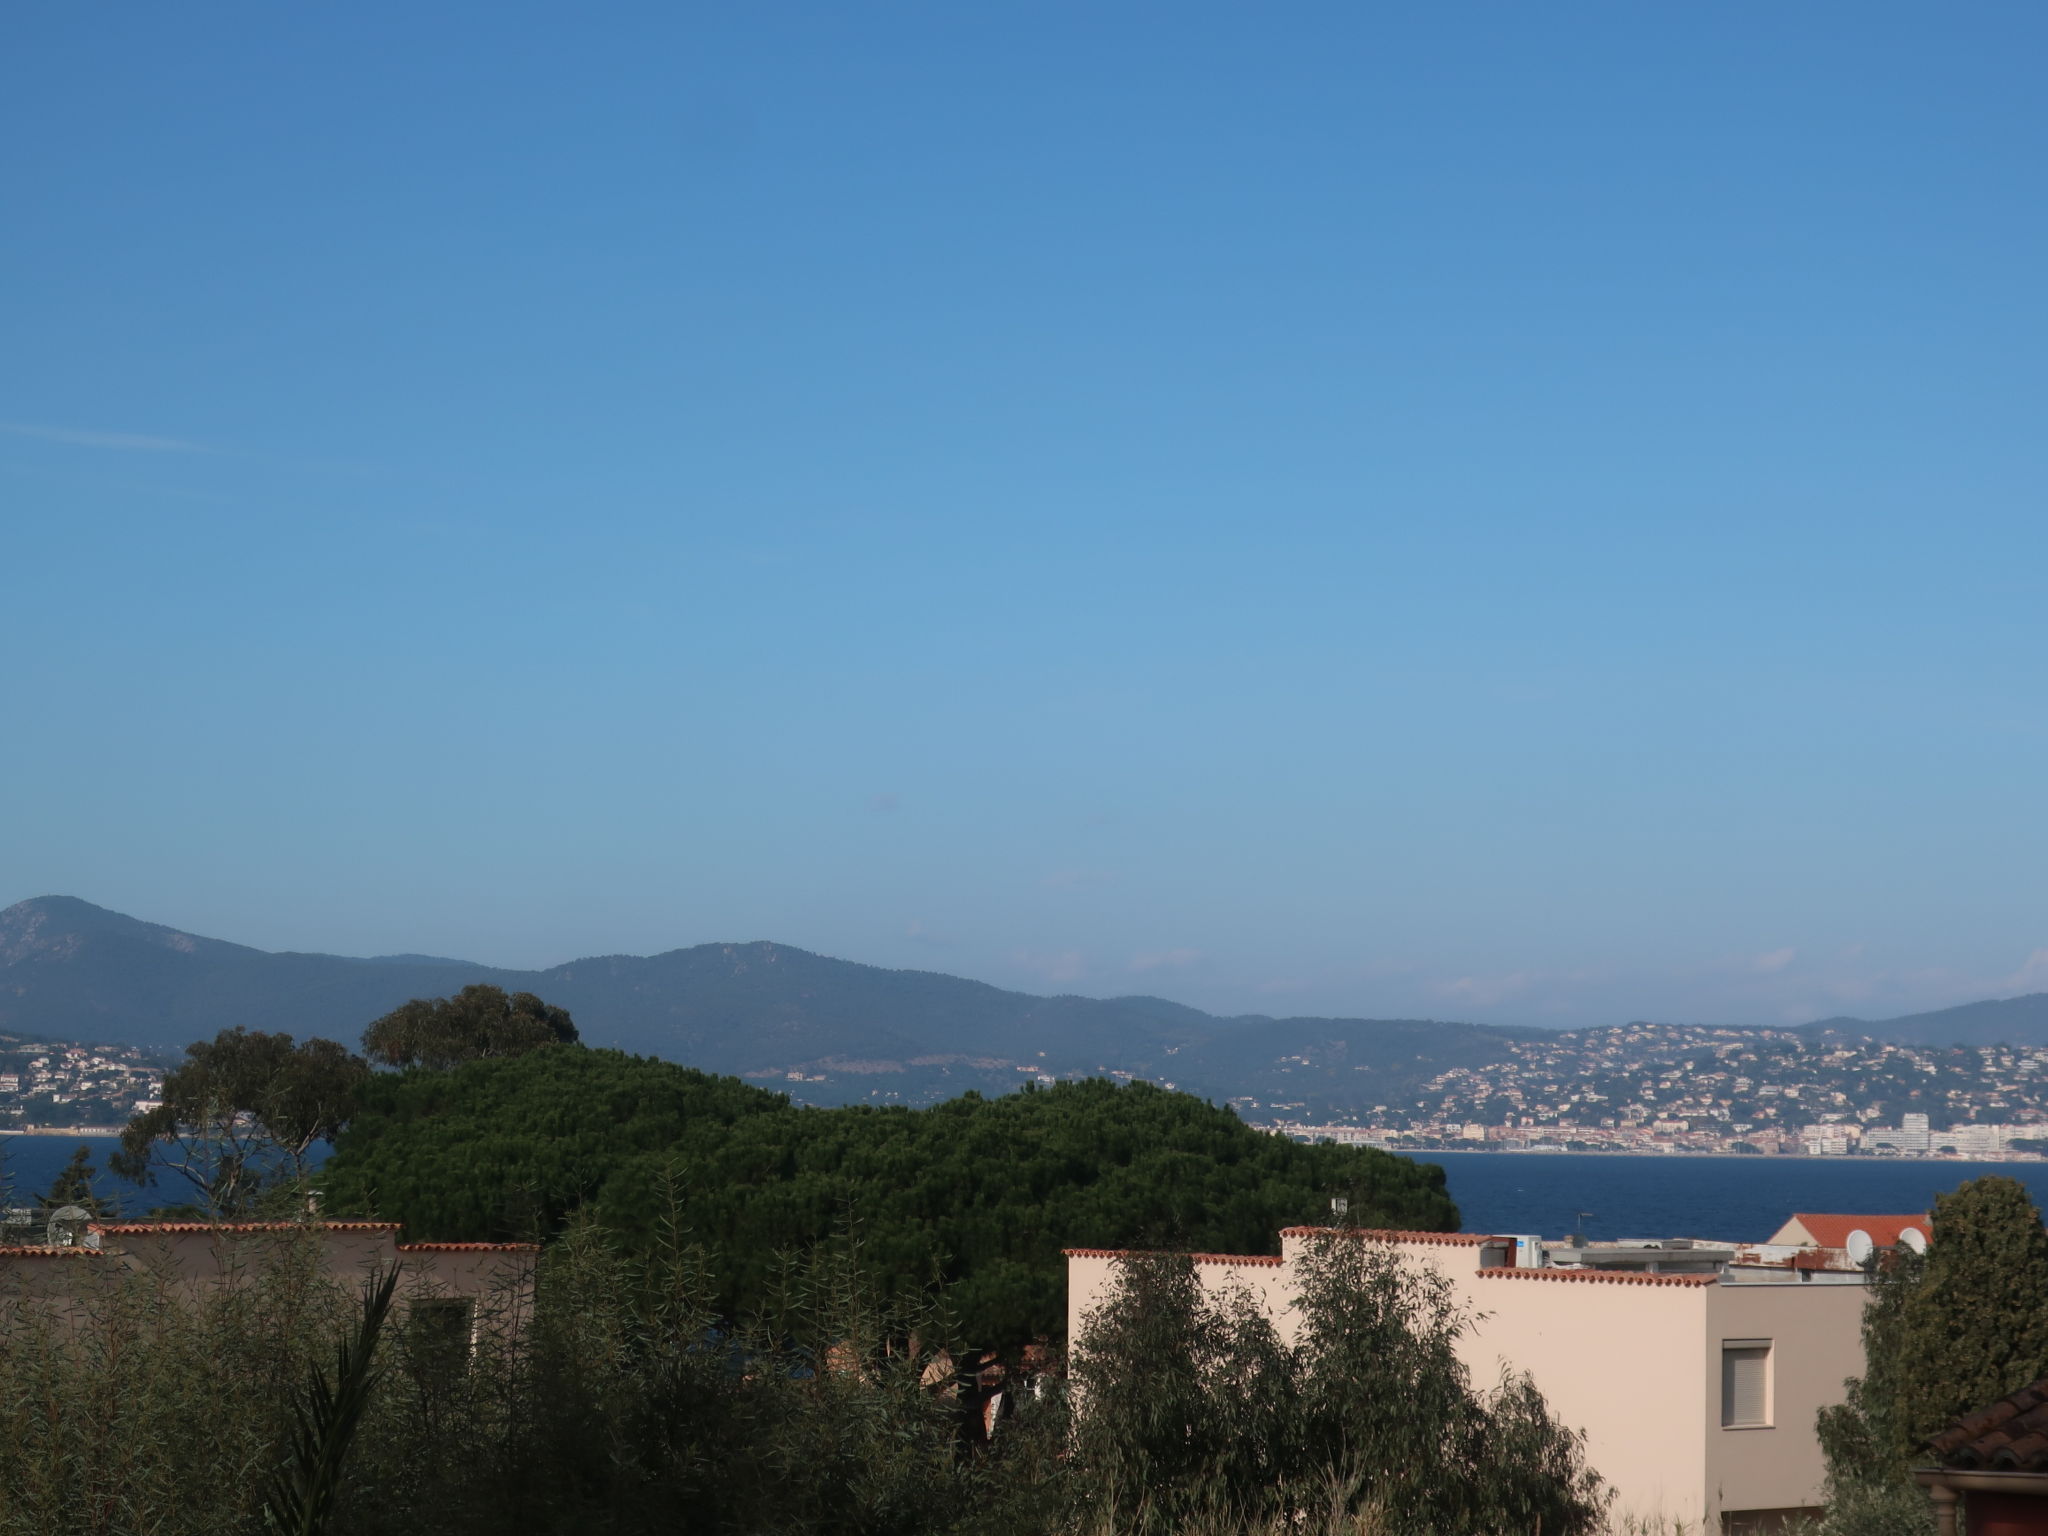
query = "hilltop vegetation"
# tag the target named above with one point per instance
(978, 1193)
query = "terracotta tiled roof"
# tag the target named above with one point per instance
(1380, 1235)
(1597, 1276)
(2009, 1436)
(1199, 1258)
(1832, 1231)
(469, 1247)
(52, 1253)
(187, 1228)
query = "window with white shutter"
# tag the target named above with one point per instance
(1745, 1383)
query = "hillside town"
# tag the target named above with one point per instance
(71, 1086)
(1681, 1088)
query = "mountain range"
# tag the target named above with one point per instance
(826, 1030)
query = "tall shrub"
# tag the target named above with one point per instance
(1191, 1407)
(625, 1403)
(1945, 1334)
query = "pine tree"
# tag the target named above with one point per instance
(1945, 1334)
(74, 1185)
(1975, 1325)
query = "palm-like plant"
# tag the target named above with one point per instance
(326, 1413)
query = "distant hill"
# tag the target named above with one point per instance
(2005, 1021)
(825, 1030)
(71, 970)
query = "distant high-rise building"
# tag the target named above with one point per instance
(1972, 1140)
(1912, 1136)
(1825, 1140)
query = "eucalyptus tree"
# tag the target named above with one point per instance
(242, 1116)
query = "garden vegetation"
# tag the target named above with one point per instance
(629, 1400)
(751, 1317)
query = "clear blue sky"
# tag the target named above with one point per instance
(1528, 513)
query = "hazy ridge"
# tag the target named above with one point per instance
(71, 970)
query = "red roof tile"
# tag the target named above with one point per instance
(1597, 1276)
(469, 1247)
(1379, 1235)
(187, 1228)
(52, 1253)
(1832, 1231)
(1199, 1258)
(2009, 1436)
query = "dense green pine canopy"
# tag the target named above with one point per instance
(1944, 1335)
(983, 1193)
(1972, 1323)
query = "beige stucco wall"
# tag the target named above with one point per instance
(1816, 1334)
(467, 1271)
(63, 1280)
(195, 1261)
(1088, 1286)
(67, 1285)
(499, 1280)
(225, 1255)
(1621, 1362)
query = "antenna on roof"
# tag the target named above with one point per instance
(1913, 1238)
(1579, 1237)
(1861, 1246)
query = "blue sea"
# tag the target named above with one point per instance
(1740, 1198)
(29, 1164)
(1744, 1199)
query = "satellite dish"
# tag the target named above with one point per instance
(67, 1225)
(1860, 1246)
(1913, 1238)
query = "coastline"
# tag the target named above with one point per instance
(62, 1130)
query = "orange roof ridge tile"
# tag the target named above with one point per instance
(186, 1228)
(1199, 1258)
(469, 1247)
(1597, 1276)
